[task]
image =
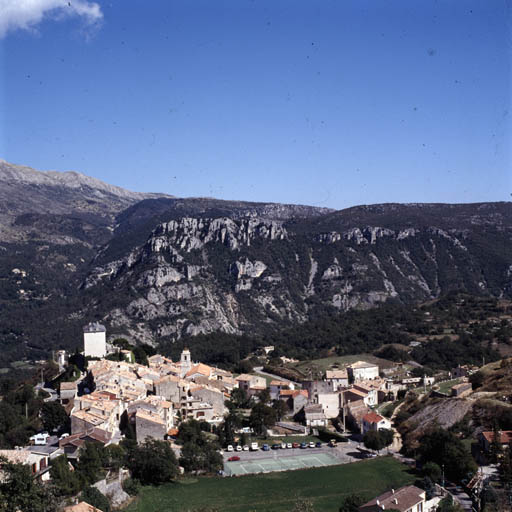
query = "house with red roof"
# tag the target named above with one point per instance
(374, 421)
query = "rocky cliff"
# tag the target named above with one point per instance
(200, 274)
(75, 250)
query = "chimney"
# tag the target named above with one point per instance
(378, 502)
(392, 491)
(395, 501)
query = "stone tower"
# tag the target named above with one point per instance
(186, 364)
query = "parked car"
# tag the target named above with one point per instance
(63, 436)
(295, 445)
(265, 447)
(234, 458)
(319, 444)
(303, 445)
(311, 444)
(230, 448)
(332, 443)
(238, 448)
(254, 446)
(283, 446)
(289, 445)
(245, 448)
(276, 446)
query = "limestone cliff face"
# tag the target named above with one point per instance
(74, 249)
(248, 274)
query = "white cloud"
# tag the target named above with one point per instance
(27, 14)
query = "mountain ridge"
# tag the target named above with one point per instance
(163, 268)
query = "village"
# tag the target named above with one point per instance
(116, 397)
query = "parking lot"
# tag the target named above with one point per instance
(287, 459)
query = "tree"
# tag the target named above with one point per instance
(239, 399)
(351, 503)
(201, 457)
(387, 435)
(20, 492)
(433, 471)
(95, 498)
(226, 431)
(262, 416)
(495, 449)
(189, 431)
(140, 356)
(65, 481)
(445, 449)
(264, 396)
(153, 462)
(54, 417)
(91, 462)
(280, 408)
(114, 456)
(373, 440)
(448, 505)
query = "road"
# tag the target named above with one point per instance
(53, 394)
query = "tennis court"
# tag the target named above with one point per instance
(275, 463)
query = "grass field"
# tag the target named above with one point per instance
(320, 365)
(276, 492)
(446, 386)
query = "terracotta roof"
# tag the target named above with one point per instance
(244, 377)
(357, 392)
(279, 383)
(148, 416)
(362, 364)
(200, 368)
(336, 374)
(287, 392)
(15, 456)
(173, 432)
(402, 499)
(372, 417)
(95, 434)
(505, 436)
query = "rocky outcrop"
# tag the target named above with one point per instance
(164, 267)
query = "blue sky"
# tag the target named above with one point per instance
(330, 103)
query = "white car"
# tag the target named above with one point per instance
(283, 446)
(230, 448)
(246, 448)
(63, 436)
(254, 447)
(311, 444)
(289, 445)
(238, 448)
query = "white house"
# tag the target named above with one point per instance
(406, 499)
(362, 371)
(374, 421)
(336, 378)
(95, 340)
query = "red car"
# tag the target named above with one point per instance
(234, 458)
(296, 445)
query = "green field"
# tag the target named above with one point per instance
(276, 492)
(446, 386)
(320, 365)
